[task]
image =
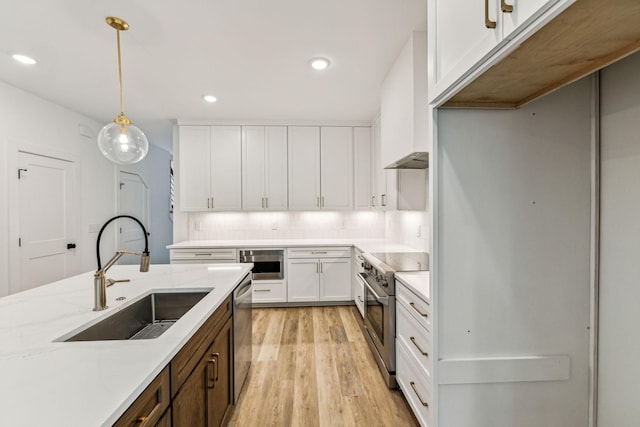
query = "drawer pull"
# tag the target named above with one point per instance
(142, 420)
(262, 290)
(319, 252)
(506, 8)
(203, 254)
(413, 340)
(413, 386)
(360, 298)
(413, 305)
(488, 22)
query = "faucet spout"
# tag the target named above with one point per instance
(100, 281)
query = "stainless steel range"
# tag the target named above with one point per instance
(380, 307)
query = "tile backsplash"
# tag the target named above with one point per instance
(409, 228)
(286, 225)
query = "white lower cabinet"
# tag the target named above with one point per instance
(203, 256)
(266, 291)
(414, 347)
(319, 274)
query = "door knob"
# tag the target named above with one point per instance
(71, 245)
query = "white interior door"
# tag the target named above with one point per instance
(133, 198)
(46, 218)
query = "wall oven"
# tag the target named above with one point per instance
(268, 264)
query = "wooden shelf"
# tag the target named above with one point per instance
(586, 37)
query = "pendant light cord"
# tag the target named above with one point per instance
(120, 73)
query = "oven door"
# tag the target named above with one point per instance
(380, 322)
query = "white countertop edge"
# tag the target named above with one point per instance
(364, 245)
(418, 282)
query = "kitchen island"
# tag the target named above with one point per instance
(49, 382)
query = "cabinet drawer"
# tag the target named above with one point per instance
(269, 292)
(415, 385)
(226, 255)
(418, 307)
(320, 252)
(188, 357)
(416, 338)
(150, 406)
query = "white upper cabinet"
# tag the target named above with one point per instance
(226, 170)
(362, 168)
(195, 167)
(210, 172)
(404, 102)
(320, 168)
(467, 34)
(264, 167)
(336, 168)
(384, 181)
(304, 167)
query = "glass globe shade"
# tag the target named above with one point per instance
(123, 144)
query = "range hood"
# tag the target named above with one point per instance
(417, 160)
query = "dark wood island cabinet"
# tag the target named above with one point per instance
(196, 388)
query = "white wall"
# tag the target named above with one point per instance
(290, 225)
(514, 258)
(619, 343)
(30, 121)
(155, 170)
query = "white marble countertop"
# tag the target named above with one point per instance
(418, 282)
(365, 245)
(49, 383)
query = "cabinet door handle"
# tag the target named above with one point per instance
(383, 200)
(373, 201)
(208, 202)
(413, 386)
(266, 202)
(216, 356)
(413, 340)
(360, 298)
(413, 305)
(262, 203)
(506, 8)
(212, 204)
(321, 264)
(142, 420)
(322, 202)
(211, 380)
(318, 201)
(488, 22)
(317, 267)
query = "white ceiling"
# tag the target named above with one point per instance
(251, 54)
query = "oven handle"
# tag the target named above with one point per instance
(381, 300)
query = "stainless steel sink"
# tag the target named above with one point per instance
(147, 318)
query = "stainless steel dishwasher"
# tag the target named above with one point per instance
(242, 345)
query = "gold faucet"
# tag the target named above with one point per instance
(100, 281)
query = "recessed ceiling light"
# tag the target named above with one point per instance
(210, 98)
(319, 63)
(24, 59)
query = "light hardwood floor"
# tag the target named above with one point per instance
(312, 367)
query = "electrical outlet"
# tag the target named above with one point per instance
(274, 226)
(196, 225)
(419, 234)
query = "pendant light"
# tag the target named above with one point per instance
(121, 141)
